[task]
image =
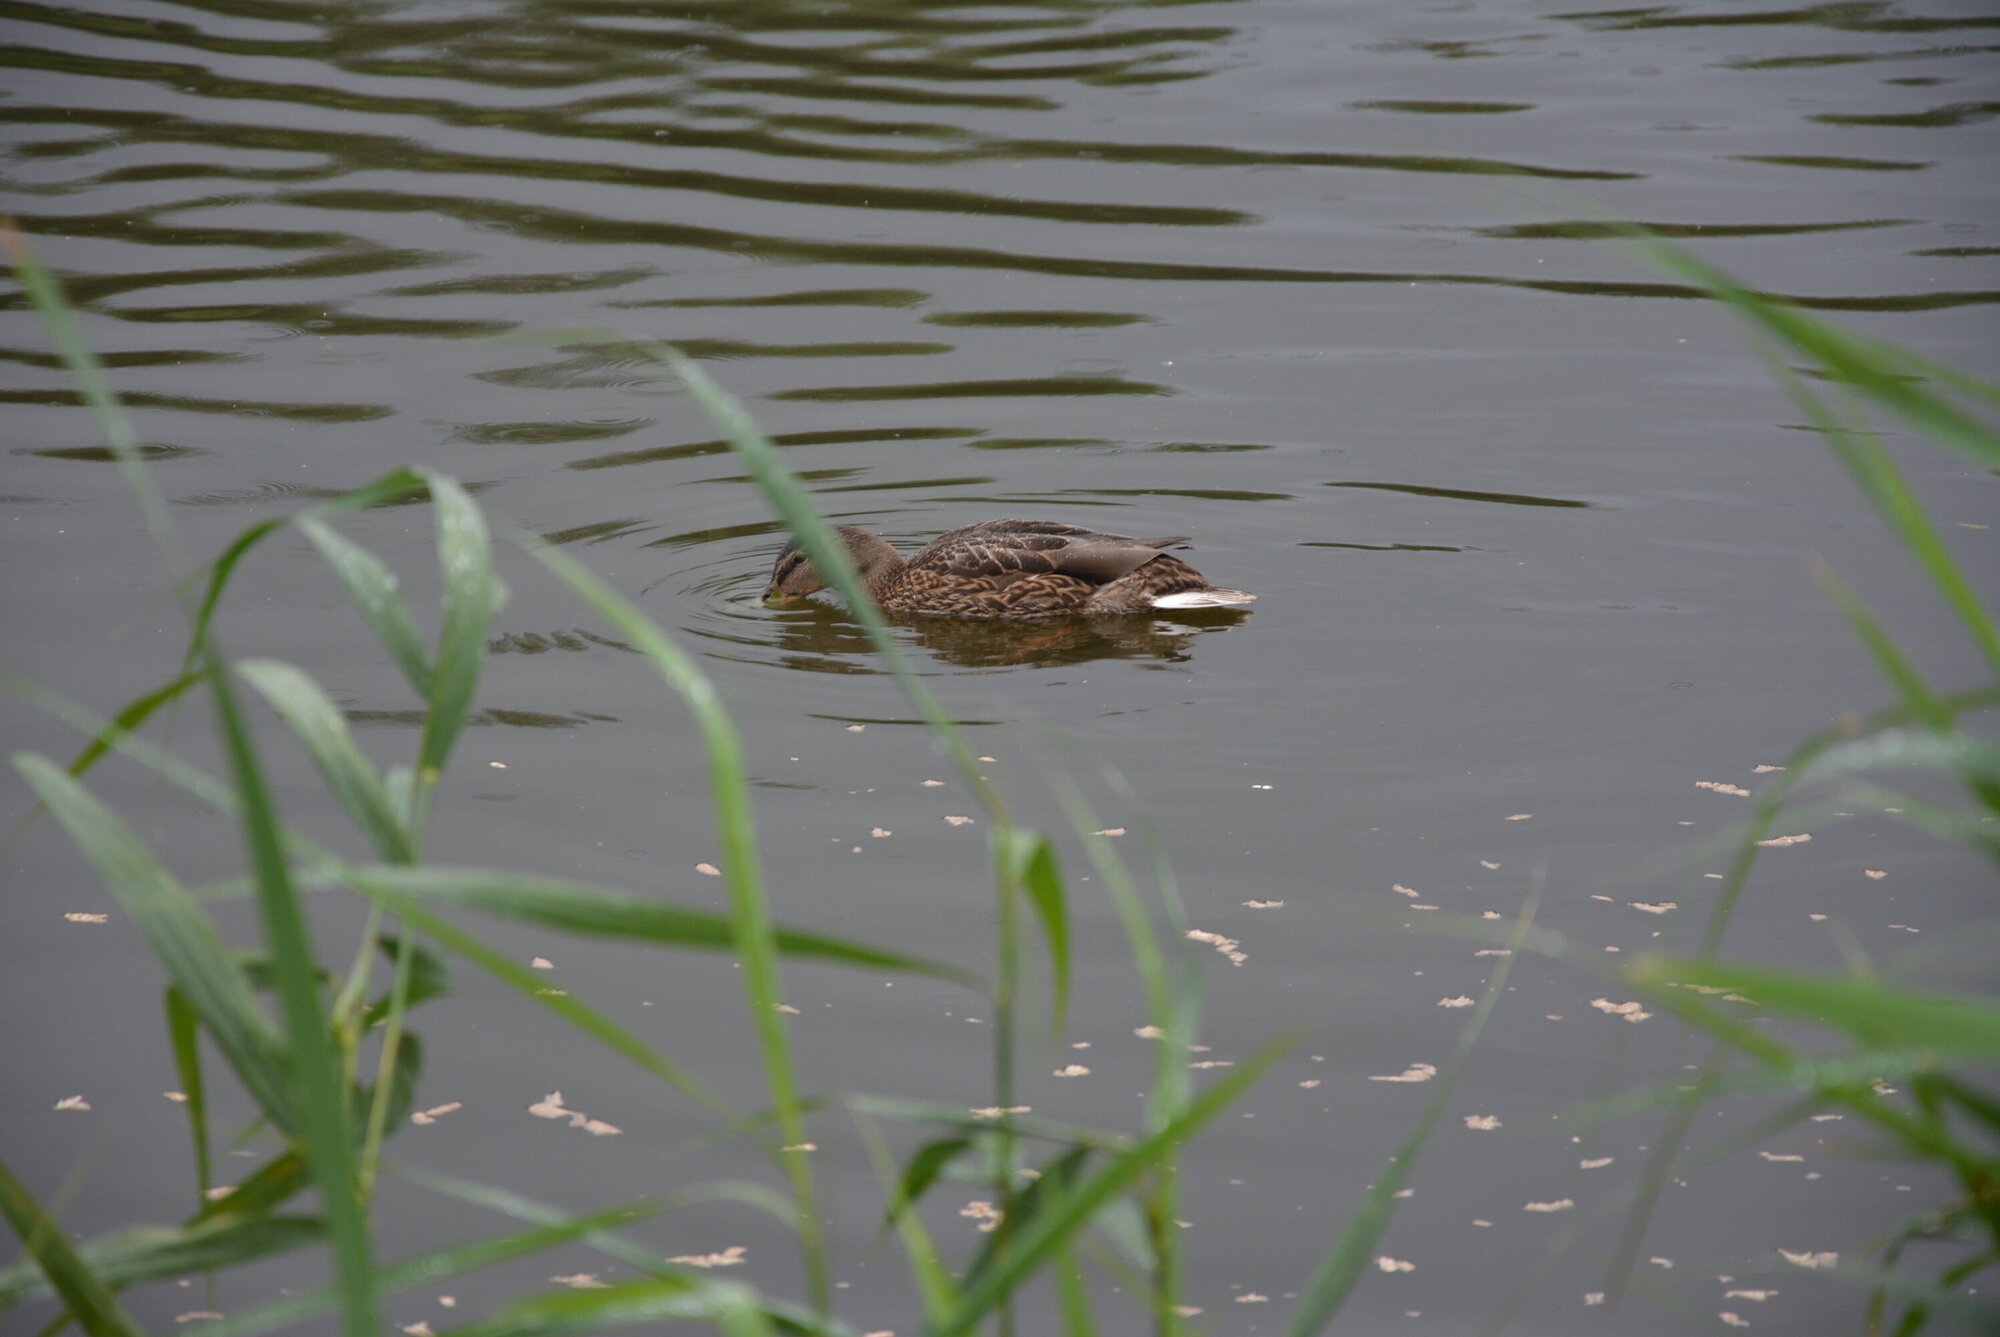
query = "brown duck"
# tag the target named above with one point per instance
(1015, 569)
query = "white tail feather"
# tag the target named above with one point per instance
(1203, 599)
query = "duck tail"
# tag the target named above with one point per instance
(1210, 598)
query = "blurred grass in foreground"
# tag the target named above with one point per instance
(339, 1075)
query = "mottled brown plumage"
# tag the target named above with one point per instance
(1015, 569)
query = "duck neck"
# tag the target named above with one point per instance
(878, 563)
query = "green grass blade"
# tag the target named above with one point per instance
(1863, 1007)
(1843, 1072)
(373, 588)
(1047, 1192)
(1869, 461)
(1172, 1011)
(393, 486)
(1895, 665)
(276, 1181)
(753, 936)
(196, 959)
(429, 976)
(647, 1261)
(1038, 1240)
(429, 1269)
(1973, 759)
(319, 1100)
(1978, 1105)
(472, 594)
(599, 912)
(147, 1253)
(1885, 374)
(184, 1038)
(1768, 803)
(1344, 1264)
(927, 1268)
(397, 1087)
(322, 731)
(1886, 377)
(398, 1060)
(926, 1163)
(1916, 365)
(1973, 832)
(136, 712)
(89, 1301)
(958, 1119)
(59, 323)
(1916, 692)
(1039, 876)
(653, 1300)
(1074, 1297)
(525, 981)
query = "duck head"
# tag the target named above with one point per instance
(794, 576)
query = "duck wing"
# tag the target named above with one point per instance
(1002, 551)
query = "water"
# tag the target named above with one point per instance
(1322, 290)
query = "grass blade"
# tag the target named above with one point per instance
(752, 934)
(59, 323)
(1862, 1007)
(184, 1038)
(1974, 759)
(592, 911)
(646, 1261)
(319, 1099)
(1039, 876)
(472, 594)
(148, 1253)
(1038, 1240)
(323, 732)
(136, 712)
(654, 1300)
(1869, 461)
(1889, 656)
(277, 1180)
(926, 1163)
(429, 976)
(429, 1268)
(373, 588)
(1074, 1296)
(196, 959)
(83, 1293)
(393, 486)
(927, 1268)
(1885, 374)
(981, 1123)
(1051, 1186)
(579, 1014)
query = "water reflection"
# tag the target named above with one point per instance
(825, 639)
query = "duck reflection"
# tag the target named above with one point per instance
(825, 639)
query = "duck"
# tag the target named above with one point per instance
(1014, 569)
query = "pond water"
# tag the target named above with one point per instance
(1321, 287)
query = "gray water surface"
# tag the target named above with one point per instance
(1324, 287)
